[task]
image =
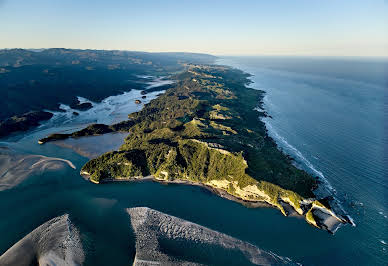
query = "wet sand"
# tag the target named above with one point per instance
(159, 236)
(93, 146)
(55, 242)
(15, 168)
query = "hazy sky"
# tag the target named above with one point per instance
(291, 27)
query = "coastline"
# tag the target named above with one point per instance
(324, 188)
(357, 184)
(207, 122)
(324, 218)
(220, 192)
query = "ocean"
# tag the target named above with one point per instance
(331, 114)
(328, 114)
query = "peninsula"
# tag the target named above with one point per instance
(206, 130)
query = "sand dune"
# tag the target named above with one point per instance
(55, 242)
(164, 239)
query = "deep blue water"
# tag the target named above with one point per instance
(331, 115)
(329, 112)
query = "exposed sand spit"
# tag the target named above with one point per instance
(55, 242)
(14, 168)
(164, 239)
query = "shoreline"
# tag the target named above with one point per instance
(217, 191)
(323, 188)
(182, 138)
(327, 220)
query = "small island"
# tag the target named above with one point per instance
(81, 106)
(205, 130)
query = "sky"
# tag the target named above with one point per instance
(219, 27)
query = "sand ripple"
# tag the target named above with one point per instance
(166, 240)
(55, 242)
(15, 168)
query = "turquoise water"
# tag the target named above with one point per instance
(337, 120)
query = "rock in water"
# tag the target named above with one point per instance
(168, 240)
(81, 106)
(55, 242)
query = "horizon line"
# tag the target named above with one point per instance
(205, 53)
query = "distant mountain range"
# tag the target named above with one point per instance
(61, 56)
(38, 79)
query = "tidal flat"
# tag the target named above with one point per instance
(106, 234)
(93, 146)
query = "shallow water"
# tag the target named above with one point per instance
(99, 210)
(86, 146)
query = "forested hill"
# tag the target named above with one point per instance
(32, 80)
